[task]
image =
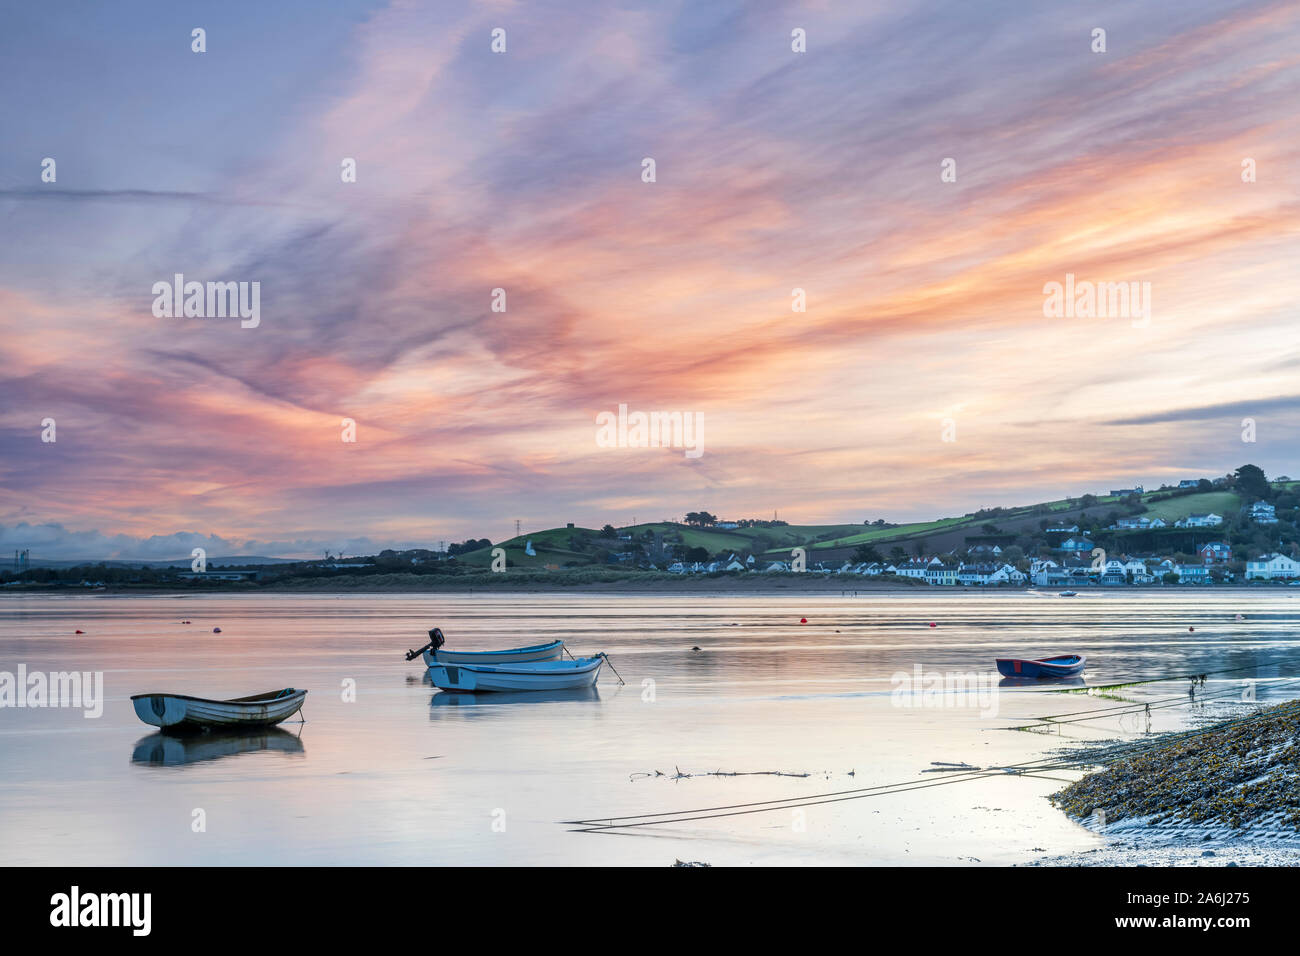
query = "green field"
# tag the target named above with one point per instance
(1225, 503)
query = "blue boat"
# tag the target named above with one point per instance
(1067, 665)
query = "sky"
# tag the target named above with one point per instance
(925, 376)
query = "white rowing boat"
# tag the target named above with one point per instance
(178, 712)
(535, 675)
(433, 653)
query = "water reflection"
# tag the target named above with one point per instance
(451, 698)
(175, 750)
(1045, 683)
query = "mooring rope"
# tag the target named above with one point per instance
(1026, 768)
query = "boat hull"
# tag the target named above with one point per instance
(178, 712)
(530, 676)
(513, 655)
(1071, 665)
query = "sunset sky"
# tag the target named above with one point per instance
(522, 170)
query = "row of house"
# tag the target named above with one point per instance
(1047, 572)
(1261, 512)
(1043, 572)
(1143, 523)
(948, 573)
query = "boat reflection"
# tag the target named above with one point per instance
(177, 750)
(1042, 683)
(451, 698)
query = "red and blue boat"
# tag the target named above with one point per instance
(1067, 665)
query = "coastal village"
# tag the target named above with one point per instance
(1077, 562)
(1121, 550)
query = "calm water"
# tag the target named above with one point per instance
(407, 775)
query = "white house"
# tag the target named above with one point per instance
(1192, 574)
(1210, 520)
(1007, 574)
(1040, 568)
(1261, 512)
(1128, 524)
(1271, 566)
(1137, 568)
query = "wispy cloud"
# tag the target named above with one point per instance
(775, 170)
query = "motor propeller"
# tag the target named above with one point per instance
(436, 640)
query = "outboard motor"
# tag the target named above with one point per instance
(436, 640)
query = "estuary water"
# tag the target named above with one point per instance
(388, 770)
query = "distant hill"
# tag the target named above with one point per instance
(173, 563)
(578, 547)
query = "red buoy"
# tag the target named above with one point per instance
(803, 620)
(81, 632)
(932, 624)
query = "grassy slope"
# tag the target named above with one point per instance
(1224, 503)
(552, 545)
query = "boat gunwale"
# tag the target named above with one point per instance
(255, 699)
(549, 645)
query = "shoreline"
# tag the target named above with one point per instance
(1224, 792)
(810, 583)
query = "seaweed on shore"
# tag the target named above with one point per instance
(1234, 773)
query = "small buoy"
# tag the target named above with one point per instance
(696, 648)
(803, 620)
(932, 624)
(1241, 617)
(1191, 628)
(81, 632)
(216, 630)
